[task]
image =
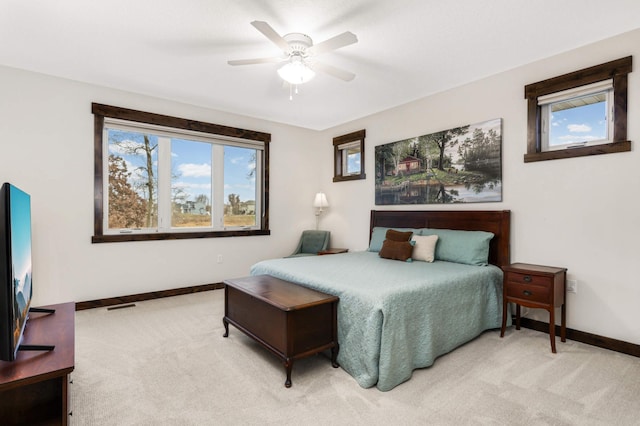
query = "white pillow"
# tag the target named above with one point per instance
(425, 247)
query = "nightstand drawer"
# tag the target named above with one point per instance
(527, 279)
(532, 293)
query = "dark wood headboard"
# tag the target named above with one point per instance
(496, 221)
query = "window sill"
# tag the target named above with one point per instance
(116, 238)
(352, 177)
(609, 148)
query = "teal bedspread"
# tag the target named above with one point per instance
(393, 316)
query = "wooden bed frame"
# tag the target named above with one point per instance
(496, 221)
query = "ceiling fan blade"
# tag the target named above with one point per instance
(334, 43)
(333, 71)
(271, 34)
(256, 61)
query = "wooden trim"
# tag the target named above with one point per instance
(616, 70)
(178, 123)
(533, 126)
(101, 111)
(337, 156)
(266, 155)
(587, 338)
(608, 148)
(100, 303)
(118, 238)
(620, 108)
(98, 183)
(347, 178)
(349, 137)
(578, 78)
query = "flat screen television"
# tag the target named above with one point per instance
(15, 268)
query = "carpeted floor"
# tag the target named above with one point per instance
(165, 362)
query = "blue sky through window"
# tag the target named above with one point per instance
(353, 163)
(239, 165)
(191, 168)
(191, 164)
(579, 124)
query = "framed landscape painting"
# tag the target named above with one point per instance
(459, 165)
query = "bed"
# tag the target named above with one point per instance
(397, 316)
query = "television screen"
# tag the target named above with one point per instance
(15, 268)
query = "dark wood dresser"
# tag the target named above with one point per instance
(34, 389)
(289, 320)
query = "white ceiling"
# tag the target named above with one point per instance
(407, 49)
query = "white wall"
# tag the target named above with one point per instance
(580, 213)
(47, 150)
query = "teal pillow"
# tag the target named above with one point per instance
(379, 234)
(468, 247)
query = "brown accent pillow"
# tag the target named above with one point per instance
(396, 250)
(394, 235)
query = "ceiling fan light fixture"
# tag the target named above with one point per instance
(296, 71)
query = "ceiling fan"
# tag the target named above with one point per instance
(299, 54)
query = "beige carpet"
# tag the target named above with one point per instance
(165, 362)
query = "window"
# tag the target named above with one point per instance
(349, 156)
(580, 113)
(159, 177)
(577, 117)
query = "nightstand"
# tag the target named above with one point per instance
(535, 286)
(333, 251)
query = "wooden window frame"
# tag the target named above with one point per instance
(337, 156)
(616, 70)
(101, 111)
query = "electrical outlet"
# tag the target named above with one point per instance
(572, 286)
(219, 258)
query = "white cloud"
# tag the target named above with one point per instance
(579, 128)
(195, 170)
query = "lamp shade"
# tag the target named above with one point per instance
(320, 201)
(296, 71)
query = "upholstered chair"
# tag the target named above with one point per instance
(311, 242)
